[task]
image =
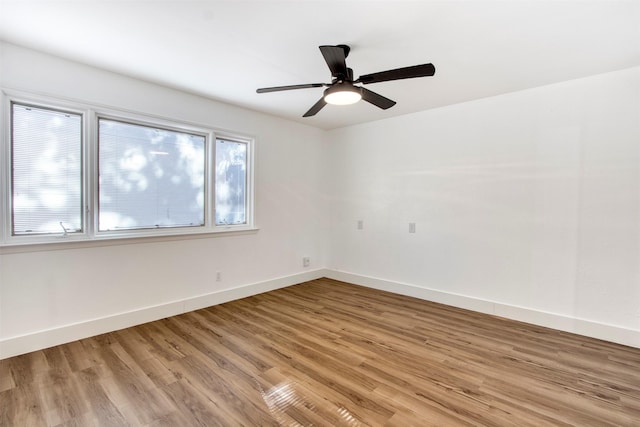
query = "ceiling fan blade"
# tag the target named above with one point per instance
(279, 88)
(424, 70)
(316, 107)
(335, 58)
(377, 100)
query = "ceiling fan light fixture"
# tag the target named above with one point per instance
(342, 91)
(342, 94)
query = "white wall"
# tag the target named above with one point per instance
(51, 296)
(526, 205)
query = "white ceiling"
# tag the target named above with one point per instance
(226, 49)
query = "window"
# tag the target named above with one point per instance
(46, 165)
(131, 176)
(149, 177)
(231, 182)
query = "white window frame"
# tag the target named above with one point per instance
(250, 190)
(90, 115)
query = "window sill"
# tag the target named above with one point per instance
(61, 244)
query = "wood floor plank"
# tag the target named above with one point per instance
(94, 394)
(22, 406)
(6, 377)
(325, 353)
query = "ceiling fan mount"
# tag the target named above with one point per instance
(343, 89)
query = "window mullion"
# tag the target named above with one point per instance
(210, 193)
(91, 174)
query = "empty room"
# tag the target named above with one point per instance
(319, 213)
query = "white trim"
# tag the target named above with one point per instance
(39, 340)
(5, 164)
(560, 322)
(23, 247)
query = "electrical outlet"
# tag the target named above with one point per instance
(218, 276)
(306, 261)
(412, 227)
(360, 224)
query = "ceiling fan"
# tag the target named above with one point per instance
(343, 90)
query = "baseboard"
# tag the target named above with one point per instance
(560, 322)
(39, 340)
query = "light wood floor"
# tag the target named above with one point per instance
(325, 353)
